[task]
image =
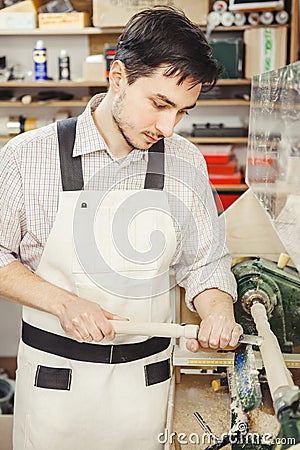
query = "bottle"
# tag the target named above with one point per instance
(4, 71)
(40, 61)
(109, 52)
(64, 66)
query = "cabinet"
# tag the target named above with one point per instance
(230, 103)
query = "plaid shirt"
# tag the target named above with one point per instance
(30, 183)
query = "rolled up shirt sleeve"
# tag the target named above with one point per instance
(204, 262)
(12, 215)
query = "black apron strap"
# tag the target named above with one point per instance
(70, 168)
(156, 166)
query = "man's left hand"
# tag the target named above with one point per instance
(216, 332)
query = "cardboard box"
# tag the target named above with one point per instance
(64, 20)
(17, 20)
(116, 13)
(24, 6)
(94, 71)
(6, 425)
(265, 50)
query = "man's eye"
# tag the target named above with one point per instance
(183, 111)
(158, 105)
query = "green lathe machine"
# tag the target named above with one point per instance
(263, 236)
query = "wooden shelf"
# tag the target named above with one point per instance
(223, 102)
(218, 140)
(113, 30)
(61, 103)
(247, 27)
(52, 84)
(54, 32)
(57, 84)
(233, 82)
(230, 187)
(79, 103)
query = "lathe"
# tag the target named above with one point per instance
(262, 232)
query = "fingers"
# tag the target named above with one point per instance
(236, 333)
(85, 321)
(87, 329)
(216, 332)
(193, 345)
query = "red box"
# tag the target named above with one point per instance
(216, 154)
(222, 169)
(235, 178)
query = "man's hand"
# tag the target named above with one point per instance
(86, 321)
(216, 333)
(218, 329)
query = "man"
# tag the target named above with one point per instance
(91, 222)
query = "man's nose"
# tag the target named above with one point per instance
(166, 123)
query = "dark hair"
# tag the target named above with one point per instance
(164, 35)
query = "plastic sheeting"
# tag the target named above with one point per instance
(273, 158)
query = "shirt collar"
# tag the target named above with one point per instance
(95, 142)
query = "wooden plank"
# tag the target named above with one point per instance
(294, 41)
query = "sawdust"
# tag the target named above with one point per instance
(195, 393)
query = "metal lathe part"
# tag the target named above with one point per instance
(250, 339)
(256, 295)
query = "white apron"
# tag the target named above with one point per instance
(76, 396)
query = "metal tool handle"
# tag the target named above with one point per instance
(173, 330)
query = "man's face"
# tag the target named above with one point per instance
(149, 109)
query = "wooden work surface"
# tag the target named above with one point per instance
(194, 393)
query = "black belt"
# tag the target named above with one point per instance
(83, 351)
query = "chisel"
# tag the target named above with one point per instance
(171, 330)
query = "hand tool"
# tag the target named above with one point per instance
(173, 330)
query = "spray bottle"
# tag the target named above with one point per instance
(64, 66)
(40, 61)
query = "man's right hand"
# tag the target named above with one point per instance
(86, 321)
(81, 319)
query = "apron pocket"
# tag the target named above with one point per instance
(53, 378)
(157, 372)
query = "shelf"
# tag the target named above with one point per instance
(52, 84)
(248, 27)
(223, 102)
(218, 140)
(83, 103)
(233, 82)
(61, 103)
(55, 32)
(56, 83)
(113, 30)
(230, 187)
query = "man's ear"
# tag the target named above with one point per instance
(117, 75)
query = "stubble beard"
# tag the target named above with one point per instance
(117, 108)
